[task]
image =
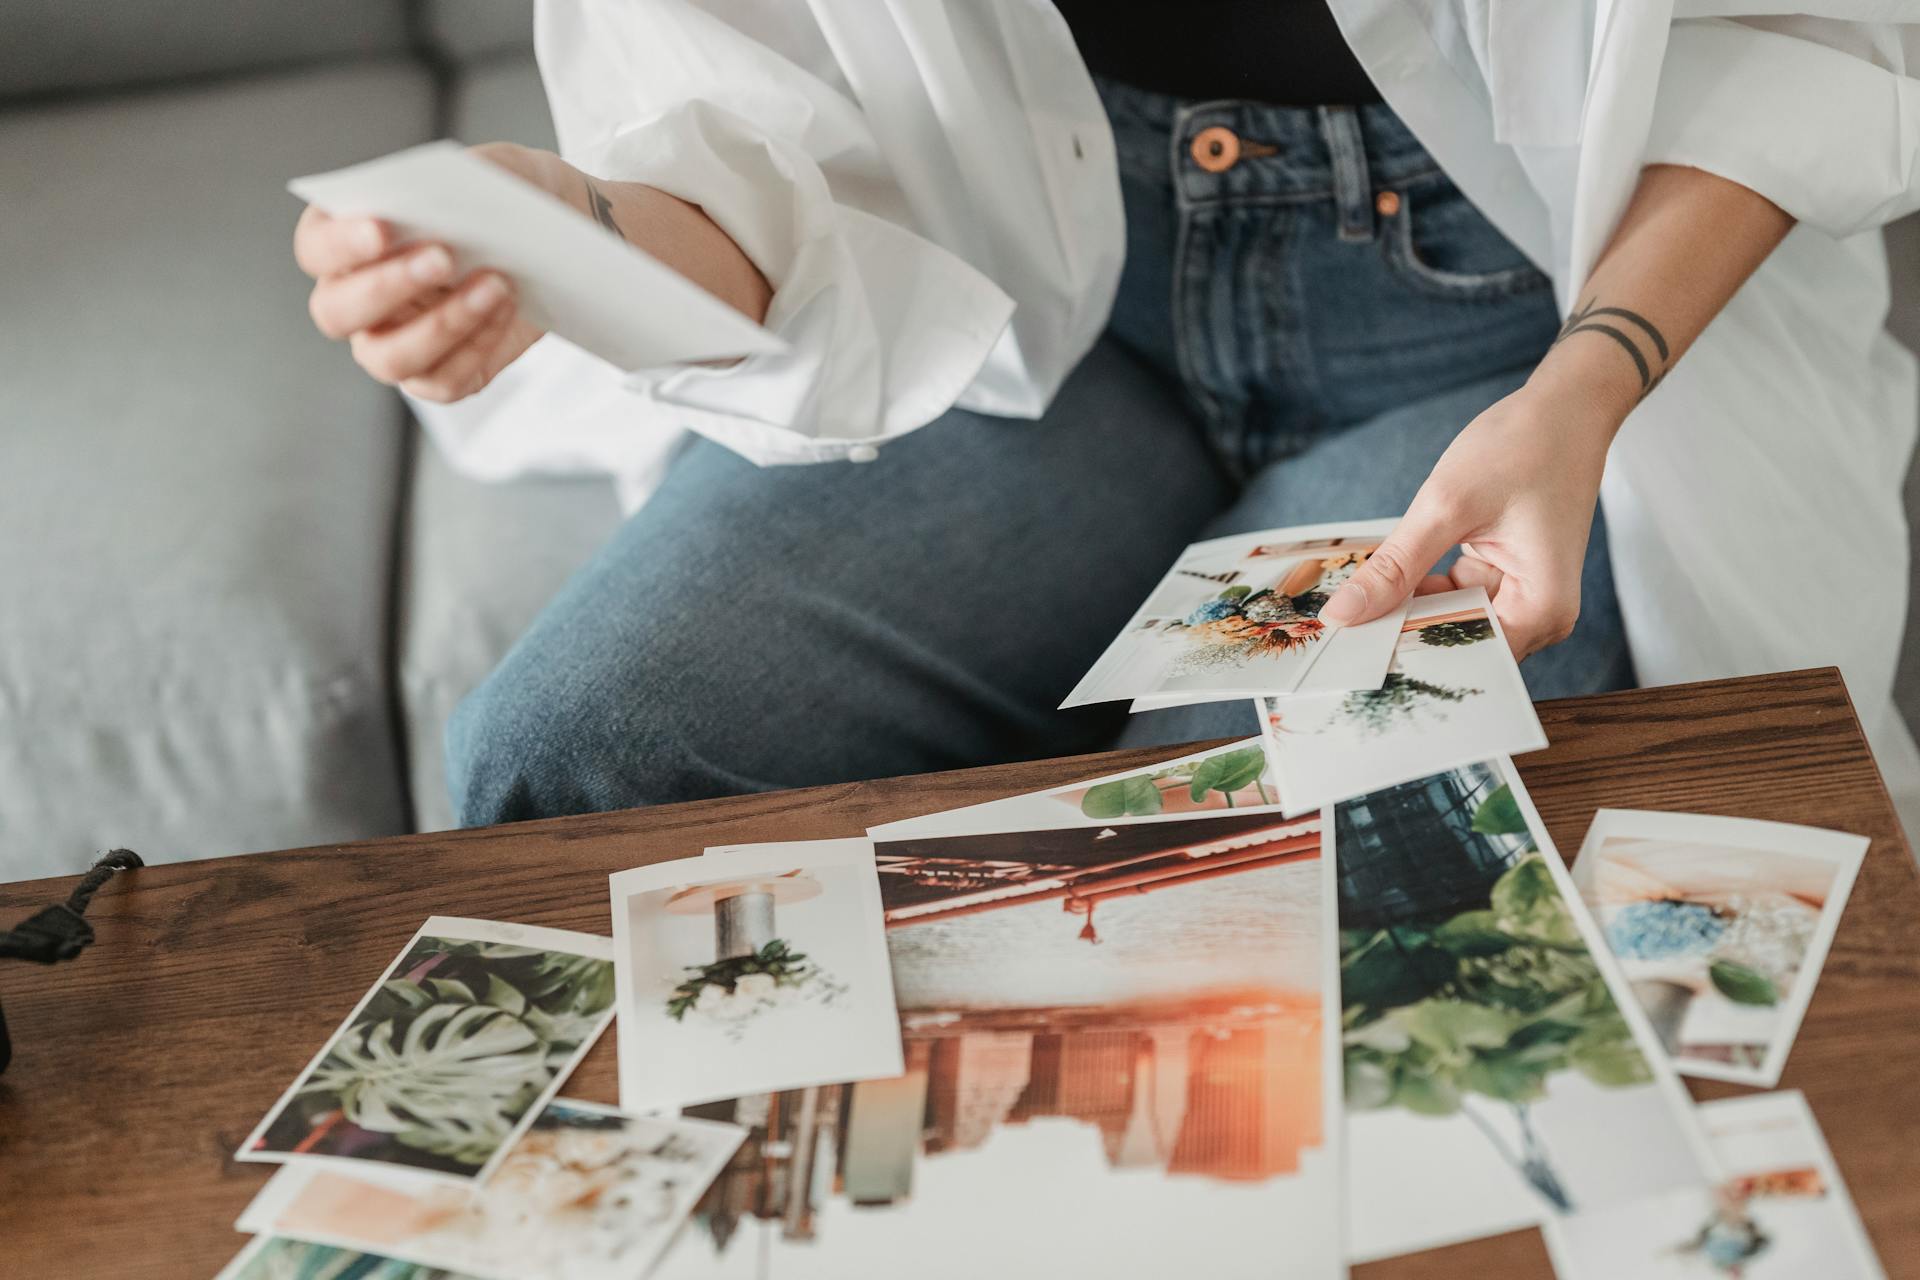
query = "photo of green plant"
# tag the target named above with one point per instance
(443, 1062)
(1227, 780)
(1469, 994)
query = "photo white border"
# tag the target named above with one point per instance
(458, 929)
(726, 862)
(1846, 852)
(1333, 1046)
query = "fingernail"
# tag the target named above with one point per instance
(430, 265)
(370, 238)
(488, 294)
(1345, 605)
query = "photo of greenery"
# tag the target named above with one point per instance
(1227, 775)
(447, 1058)
(1469, 991)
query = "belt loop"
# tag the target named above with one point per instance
(1352, 184)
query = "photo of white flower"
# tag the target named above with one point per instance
(751, 969)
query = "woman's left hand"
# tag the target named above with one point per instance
(1516, 490)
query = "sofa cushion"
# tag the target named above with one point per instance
(198, 493)
(482, 558)
(52, 45)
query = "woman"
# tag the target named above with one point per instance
(1331, 308)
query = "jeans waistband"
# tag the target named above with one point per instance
(1267, 153)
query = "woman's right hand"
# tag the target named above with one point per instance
(408, 320)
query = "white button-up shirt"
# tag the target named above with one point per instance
(930, 187)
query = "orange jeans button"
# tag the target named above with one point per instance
(1387, 203)
(1215, 149)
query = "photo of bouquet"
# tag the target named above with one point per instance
(734, 989)
(1242, 623)
(750, 969)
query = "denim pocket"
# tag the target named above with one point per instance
(1439, 243)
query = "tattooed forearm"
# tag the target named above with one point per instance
(1638, 336)
(602, 209)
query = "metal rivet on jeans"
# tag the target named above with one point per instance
(1215, 149)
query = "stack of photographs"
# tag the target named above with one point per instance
(1452, 696)
(1239, 617)
(1151, 1023)
(425, 1138)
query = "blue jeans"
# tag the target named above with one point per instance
(1297, 337)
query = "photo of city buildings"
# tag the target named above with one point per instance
(1094, 1019)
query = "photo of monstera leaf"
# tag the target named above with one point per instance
(451, 1079)
(448, 1056)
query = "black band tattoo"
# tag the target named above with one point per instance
(602, 209)
(1651, 362)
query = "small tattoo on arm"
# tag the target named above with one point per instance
(602, 209)
(1638, 336)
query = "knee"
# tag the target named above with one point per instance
(503, 755)
(545, 737)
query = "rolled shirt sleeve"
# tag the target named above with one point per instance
(1819, 116)
(885, 329)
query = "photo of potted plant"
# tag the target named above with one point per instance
(1224, 781)
(1469, 990)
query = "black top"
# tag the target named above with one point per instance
(1287, 52)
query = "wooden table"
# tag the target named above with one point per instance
(139, 1068)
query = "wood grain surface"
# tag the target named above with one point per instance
(139, 1068)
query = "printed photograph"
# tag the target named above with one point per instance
(1235, 777)
(1136, 1012)
(751, 969)
(277, 1258)
(452, 1052)
(1241, 615)
(1781, 1212)
(1453, 695)
(586, 1193)
(1496, 1071)
(1721, 925)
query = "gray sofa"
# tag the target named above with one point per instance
(238, 598)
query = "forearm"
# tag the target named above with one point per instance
(1687, 242)
(675, 231)
(681, 235)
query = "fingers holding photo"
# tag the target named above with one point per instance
(415, 346)
(377, 293)
(474, 363)
(324, 245)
